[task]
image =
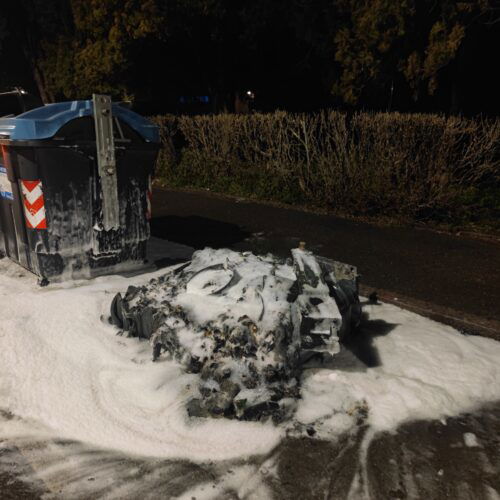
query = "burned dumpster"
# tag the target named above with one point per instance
(245, 324)
(75, 183)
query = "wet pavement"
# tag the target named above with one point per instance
(422, 460)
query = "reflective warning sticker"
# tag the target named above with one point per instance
(5, 187)
(34, 207)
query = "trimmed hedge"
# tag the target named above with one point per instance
(405, 166)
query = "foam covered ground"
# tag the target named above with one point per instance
(65, 370)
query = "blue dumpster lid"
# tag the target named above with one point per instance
(44, 122)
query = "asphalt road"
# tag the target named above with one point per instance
(455, 279)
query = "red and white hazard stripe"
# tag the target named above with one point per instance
(3, 154)
(34, 207)
(149, 197)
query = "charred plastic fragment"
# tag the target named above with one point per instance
(245, 324)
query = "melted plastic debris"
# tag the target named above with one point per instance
(244, 323)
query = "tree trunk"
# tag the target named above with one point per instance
(40, 83)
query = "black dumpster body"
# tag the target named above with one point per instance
(51, 201)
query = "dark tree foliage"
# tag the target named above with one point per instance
(31, 26)
(413, 55)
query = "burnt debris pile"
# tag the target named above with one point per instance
(245, 324)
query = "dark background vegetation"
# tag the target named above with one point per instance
(297, 55)
(395, 167)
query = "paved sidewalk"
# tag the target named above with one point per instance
(453, 279)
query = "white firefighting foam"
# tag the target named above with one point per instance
(64, 368)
